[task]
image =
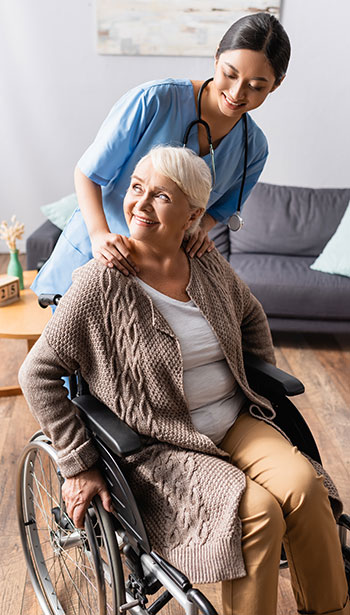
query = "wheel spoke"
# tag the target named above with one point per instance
(43, 475)
(73, 568)
(82, 573)
(65, 584)
(83, 599)
(42, 507)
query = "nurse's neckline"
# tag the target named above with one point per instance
(214, 124)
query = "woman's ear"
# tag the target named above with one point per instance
(195, 214)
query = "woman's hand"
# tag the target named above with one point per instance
(114, 251)
(78, 492)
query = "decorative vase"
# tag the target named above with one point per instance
(15, 267)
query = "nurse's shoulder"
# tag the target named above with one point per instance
(258, 143)
(160, 86)
(153, 92)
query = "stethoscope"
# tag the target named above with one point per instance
(235, 222)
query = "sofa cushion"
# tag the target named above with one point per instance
(289, 220)
(287, 287)
(335, 257)
(60, 211)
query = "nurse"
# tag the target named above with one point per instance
(250, 62)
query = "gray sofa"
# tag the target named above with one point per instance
(285, 229)
(40, 244)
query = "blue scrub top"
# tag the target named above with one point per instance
(155, 113)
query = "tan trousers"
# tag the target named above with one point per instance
(284, 500)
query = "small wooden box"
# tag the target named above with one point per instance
(9, 289)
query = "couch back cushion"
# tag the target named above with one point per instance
(289, 220)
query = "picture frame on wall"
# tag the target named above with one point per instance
(181, 28)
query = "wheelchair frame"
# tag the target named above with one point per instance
(107, 536)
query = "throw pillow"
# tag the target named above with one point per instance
(59, 212)
(335, 256)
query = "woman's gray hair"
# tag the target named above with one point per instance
(188, 171)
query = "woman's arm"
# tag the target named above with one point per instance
(109, 248)
(40, 378)
(256, 334)
(43, 389)
(67, 343)
(255, 331)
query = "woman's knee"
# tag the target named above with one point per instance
(261, 516)
(303, 486)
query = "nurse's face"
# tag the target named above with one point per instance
(155, 208)
(243, 79)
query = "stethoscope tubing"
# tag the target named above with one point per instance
(235, 222)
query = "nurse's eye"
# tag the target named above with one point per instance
(255, 88)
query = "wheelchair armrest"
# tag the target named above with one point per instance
(107, 426)
(267, 379)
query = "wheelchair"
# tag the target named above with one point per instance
(110, 568)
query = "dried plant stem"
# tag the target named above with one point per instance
(10, 233)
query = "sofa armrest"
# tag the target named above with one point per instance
(40, 244)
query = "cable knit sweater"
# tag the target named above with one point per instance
(107, 326)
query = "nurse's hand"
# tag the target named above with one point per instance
(113, 251)
(199, 243)
(78, 492)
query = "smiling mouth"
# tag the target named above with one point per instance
(231, 103)
(144, 220)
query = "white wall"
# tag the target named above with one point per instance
(56, 90)
(307, 119)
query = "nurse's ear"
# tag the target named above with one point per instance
(277, 84)
(216, 59)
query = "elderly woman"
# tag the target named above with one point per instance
(219, 489)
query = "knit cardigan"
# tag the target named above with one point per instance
(107, 326)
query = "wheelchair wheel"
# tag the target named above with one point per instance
(72, 571)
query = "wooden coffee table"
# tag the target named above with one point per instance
(24, 319)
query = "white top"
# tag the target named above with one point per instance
(213, 396)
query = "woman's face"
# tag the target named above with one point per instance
(243, 79)
(155, 208)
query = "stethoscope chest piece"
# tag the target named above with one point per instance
(235, 222)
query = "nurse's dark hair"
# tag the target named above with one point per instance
(259, 32)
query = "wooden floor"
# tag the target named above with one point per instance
(321, 362)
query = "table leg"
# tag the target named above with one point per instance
(10, 391)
